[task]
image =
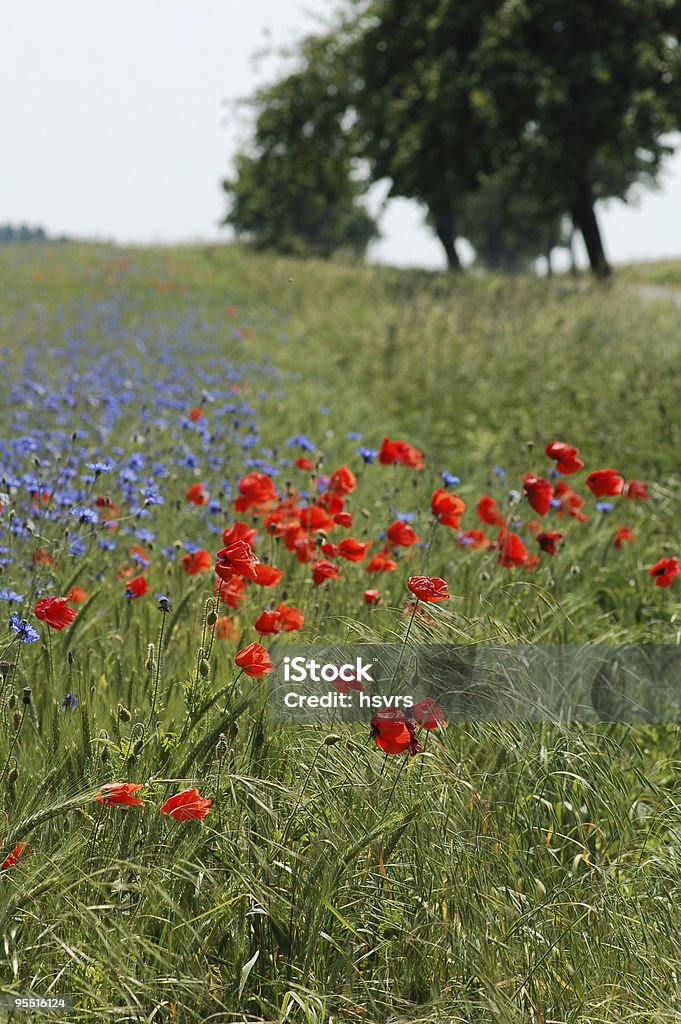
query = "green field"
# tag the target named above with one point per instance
(509, 871)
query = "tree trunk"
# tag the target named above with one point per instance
(444, 229)
(584, 218)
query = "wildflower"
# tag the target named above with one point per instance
(381, 562)
(136, 587)
(77, 595)
(70, 701)
(389, 731)
(120, 793)
(449, 480)
(54, 611)
(324, 570)
(186, 805)
(197, 561)
(342, 481)
(239, 531)
(197, 494)
(195, 415)
(539, 493)
(566, 457)
(472, 539)
(623, 534)
(488, 511)
(343, 519)
(605, 483)
(428, 588)
(267, 575)
(23, 629)
(512, 551)
(664, 571)
(549, 541)
(367, 454)
(371, 596)
(635, 489)
(12, 857)
(225, 628)
(303, 463)
(291, 618)
(268, 622)
(256, 491)
(231, 592)
(7, 594)
(237, 559)
(400, 452)
(401, 533)
(428, 713)
(254, 660)
(447, 508)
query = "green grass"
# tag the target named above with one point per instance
(510, 872)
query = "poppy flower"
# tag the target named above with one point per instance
(268, 622)
(539, 493)
(197, 561)
(401, 534)
(371, 596)
(291, 618)
(314, 517)
(381, 562)
(54, 611)
(225, 628)
(254, 660)
(343, 519)
(635, 489)
(428, 713)
(623, 534)
(512, 551)
(238, 559)
(136, 587)
(231, 592)
(569, 501)
(565, 456)
(342, 481)
(428, 588)
(401, 453)
(345, 685)
(389, 731)
(353, 550)
(197, 494)
(324, 570)
(186, 805)
(472, 539)
(13, 857)
(239, 531)
(664, 571)
(195, 415)
(549, 541)
(267, 575)
(303, 463)
(488, 511)
(120, 793)
(256, 491)
(447, 508)
(605, 482)
(77, 595)
(304, 549)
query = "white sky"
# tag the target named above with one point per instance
(114, 124)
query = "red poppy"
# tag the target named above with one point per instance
(570, 501)
(512, 551)
(343, 519)
(267, 575)
(565, 456)
(605, 483)
(636, 489)
(13, 857)
(291, 618)
(304, 548)
(623, 534)
(302, 463)
(54, 611)
(254, 660)
(225, 628)
(256, 491)
(238, 559)
(331, 502)
(353, 550)
(77, 595)
(400, 452)
(488, 511)
(539, 493)
(390, 732)
(315, 518)
(136, 587)
(448, 508)
(140, 555)
(197, 494)
(324, 570)
(428, 588)
(664, 571)
(231, 592)
(197, 561)
(342, 481)
(549, 541)
(43, 557)
(120, 793)
(239, 531)
(381, 562)
(185, 805)
(428, 713)
(472, 539)
(268, 622)
(195, 415)
(401, 534)
(371, 596)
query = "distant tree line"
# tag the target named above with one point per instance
(507, 120)
(23, 233)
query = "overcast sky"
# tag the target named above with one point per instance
(115, 123)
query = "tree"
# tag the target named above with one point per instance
(295, 188)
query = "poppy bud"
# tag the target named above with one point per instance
(149, 663)
(12, 701)
(204, 668)
(12, 777)
(16, 721)
(105, 755)
(258, 739)
(221, 747)
(137, 749)
(123, 713)
(233, 731)
(331, 739)
(27, 695)
(211, 619)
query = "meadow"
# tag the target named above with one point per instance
(505, 871)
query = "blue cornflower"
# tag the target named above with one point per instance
(500, 472)
(300, 441)
(85, 515)
(77, 547)
(101, 467)
(7, 594)
(449, 479)
(151, 496)
(70, 701)
(368, 454)
(354, 436)
(24, 630)
(604, 506)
